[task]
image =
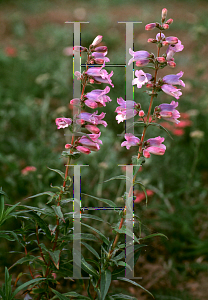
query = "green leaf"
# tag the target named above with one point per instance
(55, 256)
(84, 236)
(126, 231)
(104, 239)
(116, 177)
(88, 268)
(122, 297)
(3, 193)
(59, 172)
(160, 126)
(41, 223)
(91, 249)
(105, 283)
(87, 216)
(41, 194)
(1, 207)
(136, 284)
(58, 212)
(153, 235)
(28, 258)
(69, 294)
(44, 211)
(59, 295)
(26, 284)
(108, 202)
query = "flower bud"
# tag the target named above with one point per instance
(68, 146)
(151, 40)
(99, 61)
(149, 85)
(97, 40)
(161, 59)
(141, 113)
(171, 64)
(165, 26)
(101, 49)
(172, 40)
(150, 26)
(164, 14)
(92, 81)
(169, 21)
(75, 101)
(165, 43)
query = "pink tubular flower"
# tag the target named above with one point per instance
(63, 122)
(174, 79)
(91, 118)
(131, 140)
(100, 75)
(172, 49)
(97, 98)
(126, 110)
(92, 143)
(97, 40)
(84, 150)
(171, 90)
(92, 128)
(172, 40)
(168, 112)
(155, 146)
(28, 169)
(141, 79)
(139, 56)
(150, 26)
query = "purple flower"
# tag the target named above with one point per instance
(100, 75)
(169, 113)
(91, 118)
(158, 36)
(139, 56)
(172, 49)
(63, 122)
(126, 110)
(141, 79)
(131, 140)
(174, 79)
(97, 98)
(100, 58)
(92, 143)
(171, 90)
(154, 146)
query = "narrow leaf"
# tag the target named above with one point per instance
(109, 202)
(58, 171)
(153, 235)
(105, 283)
(91, 249)
(41, 223)
(161, 127)
(88, 268)
(55, 256)
(136, 284)
(41, 194)
(26, 284)
(104, 239)
(58, 212)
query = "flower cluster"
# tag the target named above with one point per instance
(168, 84)
(94, 99)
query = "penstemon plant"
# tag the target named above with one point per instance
(46, 233)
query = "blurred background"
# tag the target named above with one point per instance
(36, 86)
